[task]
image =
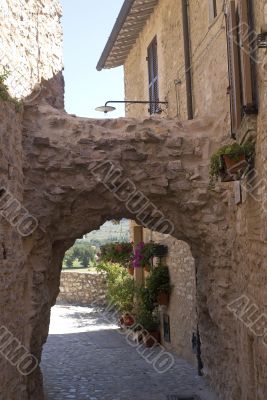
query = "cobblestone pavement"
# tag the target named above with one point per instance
(87, 358)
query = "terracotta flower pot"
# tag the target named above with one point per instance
(235, 166)
(152, 338)
(131, 270)
(147, 268)
(163, 299)
(128, 320)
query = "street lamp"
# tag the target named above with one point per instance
(106, 108)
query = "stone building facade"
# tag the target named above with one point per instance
(227, 240)
(211, 66)
(209, 55)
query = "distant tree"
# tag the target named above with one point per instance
(76, 263)
(83, 252)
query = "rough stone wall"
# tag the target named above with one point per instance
(13, 272)
(182, 307)
(30, 42)
(227, 241)
(67, 203)
(166, 24)
(30, 47)
(82, 288)
(238, 268)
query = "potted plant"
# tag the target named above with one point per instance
(150, 325)
(142, 255)
(231, 161)
(120, 253)
(130, 270)
(147, 254)
(158, 285)
(127, 320)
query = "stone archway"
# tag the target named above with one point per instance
(78, 172)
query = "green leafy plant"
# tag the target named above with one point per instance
(76, 263)
(234, 152)
(83, 252)
(159, 282)
(142, 254)
(120, 253)
(121, 288)
(148, 320)
(147, 253)
(4, 93)
(144, 299)
(146, 315)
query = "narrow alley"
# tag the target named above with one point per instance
(87, 357)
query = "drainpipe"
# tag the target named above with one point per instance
(187, 58)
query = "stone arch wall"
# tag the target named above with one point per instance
(67, 159)
(165, 160)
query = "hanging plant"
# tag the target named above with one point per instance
(230, 162)
(143, 253)
(120, 253)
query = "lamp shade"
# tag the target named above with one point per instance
(105, 109)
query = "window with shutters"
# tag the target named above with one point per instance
(152, 60)
(213, 9)
(240, 62)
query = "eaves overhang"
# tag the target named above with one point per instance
(130, 22)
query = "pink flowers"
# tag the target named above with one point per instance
(138, 256)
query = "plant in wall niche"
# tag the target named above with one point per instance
(4, 94)
(230, 162)
(159, 286)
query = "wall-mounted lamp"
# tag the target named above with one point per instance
(106, 108)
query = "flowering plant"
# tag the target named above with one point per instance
(142, 254)
(120, 253)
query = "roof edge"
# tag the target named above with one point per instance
(126, 8)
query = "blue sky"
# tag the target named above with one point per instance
(86, 26)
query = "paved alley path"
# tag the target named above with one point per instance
(86, 358)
